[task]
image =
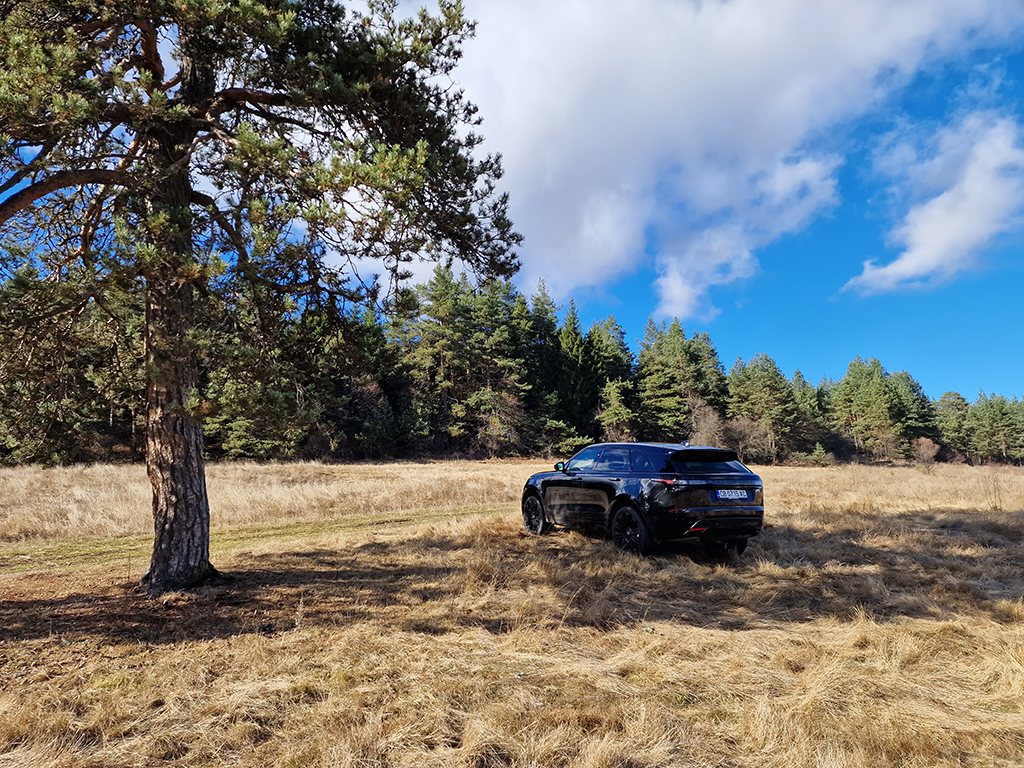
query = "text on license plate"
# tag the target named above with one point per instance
(731, 494)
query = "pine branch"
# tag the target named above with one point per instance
(61, 180)
(232, 98)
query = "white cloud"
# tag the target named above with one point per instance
(624, 122)
(780, 200)
(970, 188)
(713, 257)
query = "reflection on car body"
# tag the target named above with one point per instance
(641, 494)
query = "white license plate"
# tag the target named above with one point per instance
(731, 494)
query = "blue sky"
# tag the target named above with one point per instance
(813, 179)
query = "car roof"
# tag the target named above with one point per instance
(666, 446)
(680, 450)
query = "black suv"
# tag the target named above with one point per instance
(640, 494)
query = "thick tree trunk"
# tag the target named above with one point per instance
(174, 446)
(174, 441)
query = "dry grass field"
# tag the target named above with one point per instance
(398, 615)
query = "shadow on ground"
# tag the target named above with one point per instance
(491, 575)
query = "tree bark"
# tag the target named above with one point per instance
(174, 442)
(174, 446)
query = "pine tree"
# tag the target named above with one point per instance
(546, 429)
(466, 348)
(71, 388)
(578, 391)
(664, 407)
(759, 391)
(175, 176)
(811, 429)
(497, 370)
(864, 407)
(914, 412)
(617, 415)
(612, 358)
(995, 428)
(675, 374)
(542, 349)
(707, 376)
(436, 348)
(951, 416)
(612, 367)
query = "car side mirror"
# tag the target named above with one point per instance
(560, 466)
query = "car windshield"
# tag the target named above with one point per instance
(584, 460)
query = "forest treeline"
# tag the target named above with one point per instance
(458, 369)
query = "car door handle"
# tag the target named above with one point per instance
(615, 479)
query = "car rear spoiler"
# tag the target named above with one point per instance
(705, 454)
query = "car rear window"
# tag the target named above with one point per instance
(708, 467)
(707, 462)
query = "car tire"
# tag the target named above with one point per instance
(534, 519)
(630, 533)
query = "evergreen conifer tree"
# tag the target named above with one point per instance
(663, 403)
(995, 427)
(951, 417)
(759, 391)
(674, 374)
(864, 405)
(165, 151)
(914, 412)
(812, 419)
(617, 415)
(578, 391)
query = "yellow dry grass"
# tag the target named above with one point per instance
(397, 615)
(105, 500)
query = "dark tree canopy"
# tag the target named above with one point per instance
(191, 152)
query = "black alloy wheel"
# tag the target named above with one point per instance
(629, 532)
(533, 515)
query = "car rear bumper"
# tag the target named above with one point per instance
(728, 526)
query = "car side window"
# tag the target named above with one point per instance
(660, 460)
(613, 460)
(583, 461)
(642, 462)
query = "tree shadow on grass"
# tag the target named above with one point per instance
(919, 565)
(273, 593)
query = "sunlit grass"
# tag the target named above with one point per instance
(105, 500)
(388, 614)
